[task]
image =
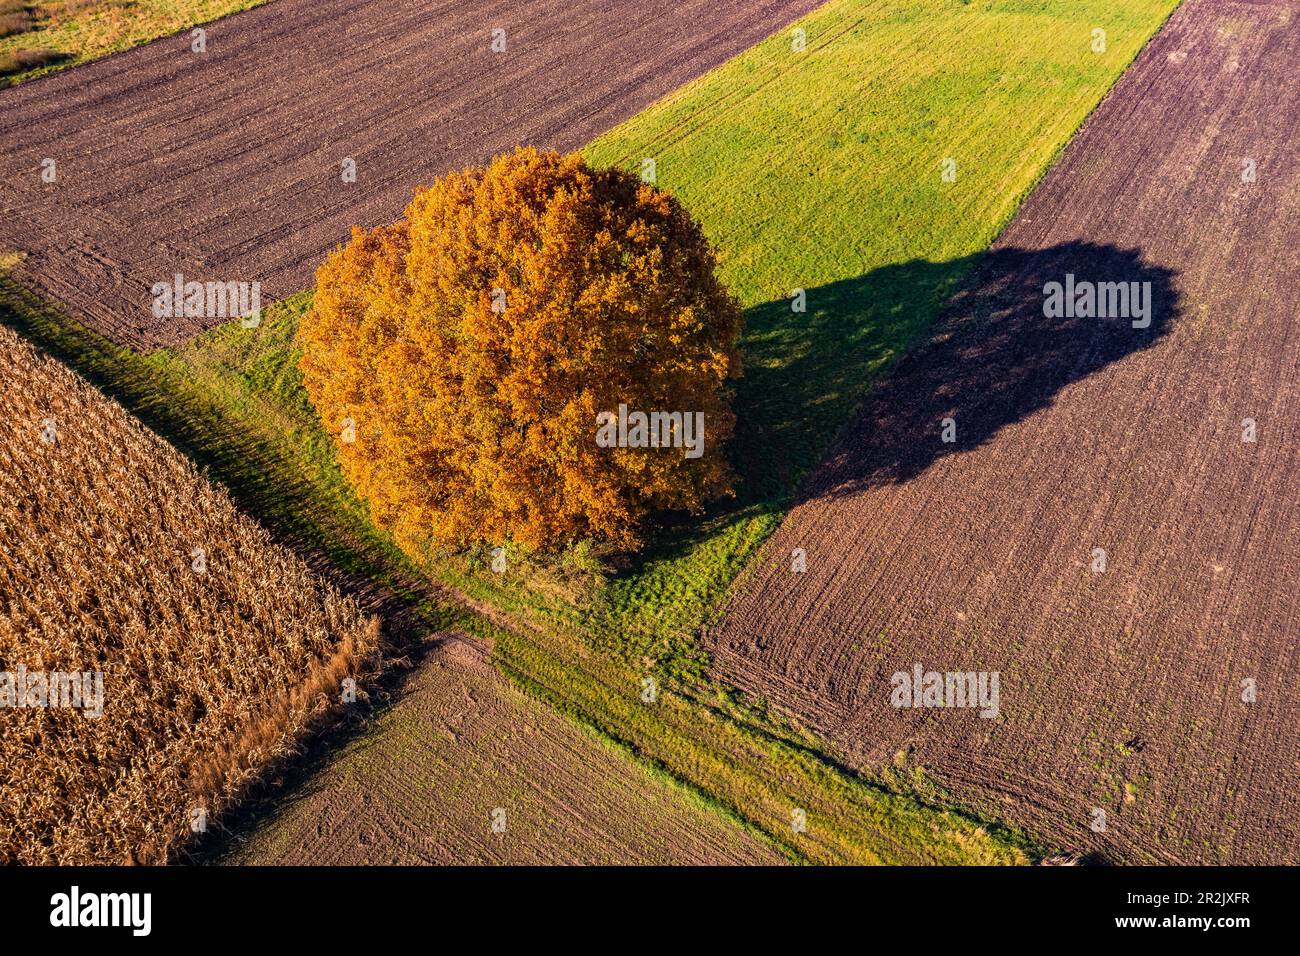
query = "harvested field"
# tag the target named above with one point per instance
(213, 646)
(1124, 677)
(422, 786)
(228, 165)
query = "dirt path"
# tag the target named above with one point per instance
(227, 165)
(1121, 685)
(423, 785)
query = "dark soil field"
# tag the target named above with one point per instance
(1125, 687)
(462, 743)
(227, 165)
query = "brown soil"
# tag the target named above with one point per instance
(226, 165)
(1120, 690)
(422, 784)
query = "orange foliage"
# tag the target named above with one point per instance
(461, 357)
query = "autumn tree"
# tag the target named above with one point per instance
(482, 363)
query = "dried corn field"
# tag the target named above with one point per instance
(216, 646)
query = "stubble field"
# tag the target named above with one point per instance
(423, 784)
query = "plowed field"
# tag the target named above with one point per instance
(228, 165)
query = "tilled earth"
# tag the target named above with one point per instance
(463, 750)
(1159, 681)
(228, 165)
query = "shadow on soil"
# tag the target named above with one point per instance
(881, 360)
(805, 373)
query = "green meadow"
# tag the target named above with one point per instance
(818, 169)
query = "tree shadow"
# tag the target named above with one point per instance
(995, 357)
(861, 381)
(806, 373)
